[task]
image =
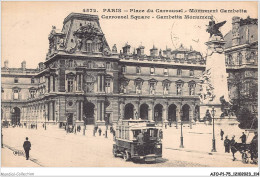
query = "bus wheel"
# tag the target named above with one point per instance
(126, 156)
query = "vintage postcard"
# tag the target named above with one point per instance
(130, 84)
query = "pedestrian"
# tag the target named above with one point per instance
(27, 147)
(243, 138)
(170, 123)
(99, 131)
(221, 134)
(140, 141)
(96, 128)
(227, 145)
(233, 147)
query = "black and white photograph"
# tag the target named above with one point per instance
(130, 84)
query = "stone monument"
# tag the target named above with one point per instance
(214, 80)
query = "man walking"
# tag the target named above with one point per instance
(221, 134)
(243, 138)
(227, 145)
(27, 147)
(233, 148)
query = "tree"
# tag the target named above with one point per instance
(244, 97)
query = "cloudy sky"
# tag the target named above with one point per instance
(26, 25)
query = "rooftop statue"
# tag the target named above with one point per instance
(213, 29)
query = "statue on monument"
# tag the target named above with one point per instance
(213, 28)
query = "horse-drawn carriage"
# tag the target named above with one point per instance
(248, 151)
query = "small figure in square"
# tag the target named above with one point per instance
(227, 145)
(99, 131)
(221, 134)
(243, 138)
(27, 147)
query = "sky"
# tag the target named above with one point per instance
(26, 26)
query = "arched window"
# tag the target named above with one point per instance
(89, 45)
(239, 59)
(108, 85)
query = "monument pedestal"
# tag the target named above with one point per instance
(216, 82)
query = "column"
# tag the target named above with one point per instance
(77, 109)
(98, 111)
(164, 119)
(150, 112)
(191, 115)
(77, 81)
(98, 83)
(51, 83)
(81, 111)
(50, 111)
(153, 112)
(121, 111)
(102, 110)
(81, 83)
(54, 83)
(103, 83)
(54, 111)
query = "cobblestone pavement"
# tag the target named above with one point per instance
(55, 148)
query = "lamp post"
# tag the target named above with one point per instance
(181, 145)
(213, 139)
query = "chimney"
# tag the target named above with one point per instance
(154, 51)
(6, 64)
(23, 65)
(41, 66)
(126, 49)
(140, 50)
(235, 31)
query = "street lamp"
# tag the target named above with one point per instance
(181, 145)
(213, 140)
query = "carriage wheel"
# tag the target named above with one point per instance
(126, 156)
(244, 157)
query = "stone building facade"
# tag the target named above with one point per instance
(83, 79)
(241, 51)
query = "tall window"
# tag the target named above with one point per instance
(15, 80)
(108, 65)
(179, 89)
(16, 94)
(152, 88)
(239, 59)
(165, 71)
(179, 72)
(138, 70)
(138, 87)
(191, 72)
(32, 92)
(89, 64)
(166, 87)
(192, 89)
(107, 86)
(89, 46)
(32, 80)
(152, 70)
(123, 69)
(71, 63)
(70, 85)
